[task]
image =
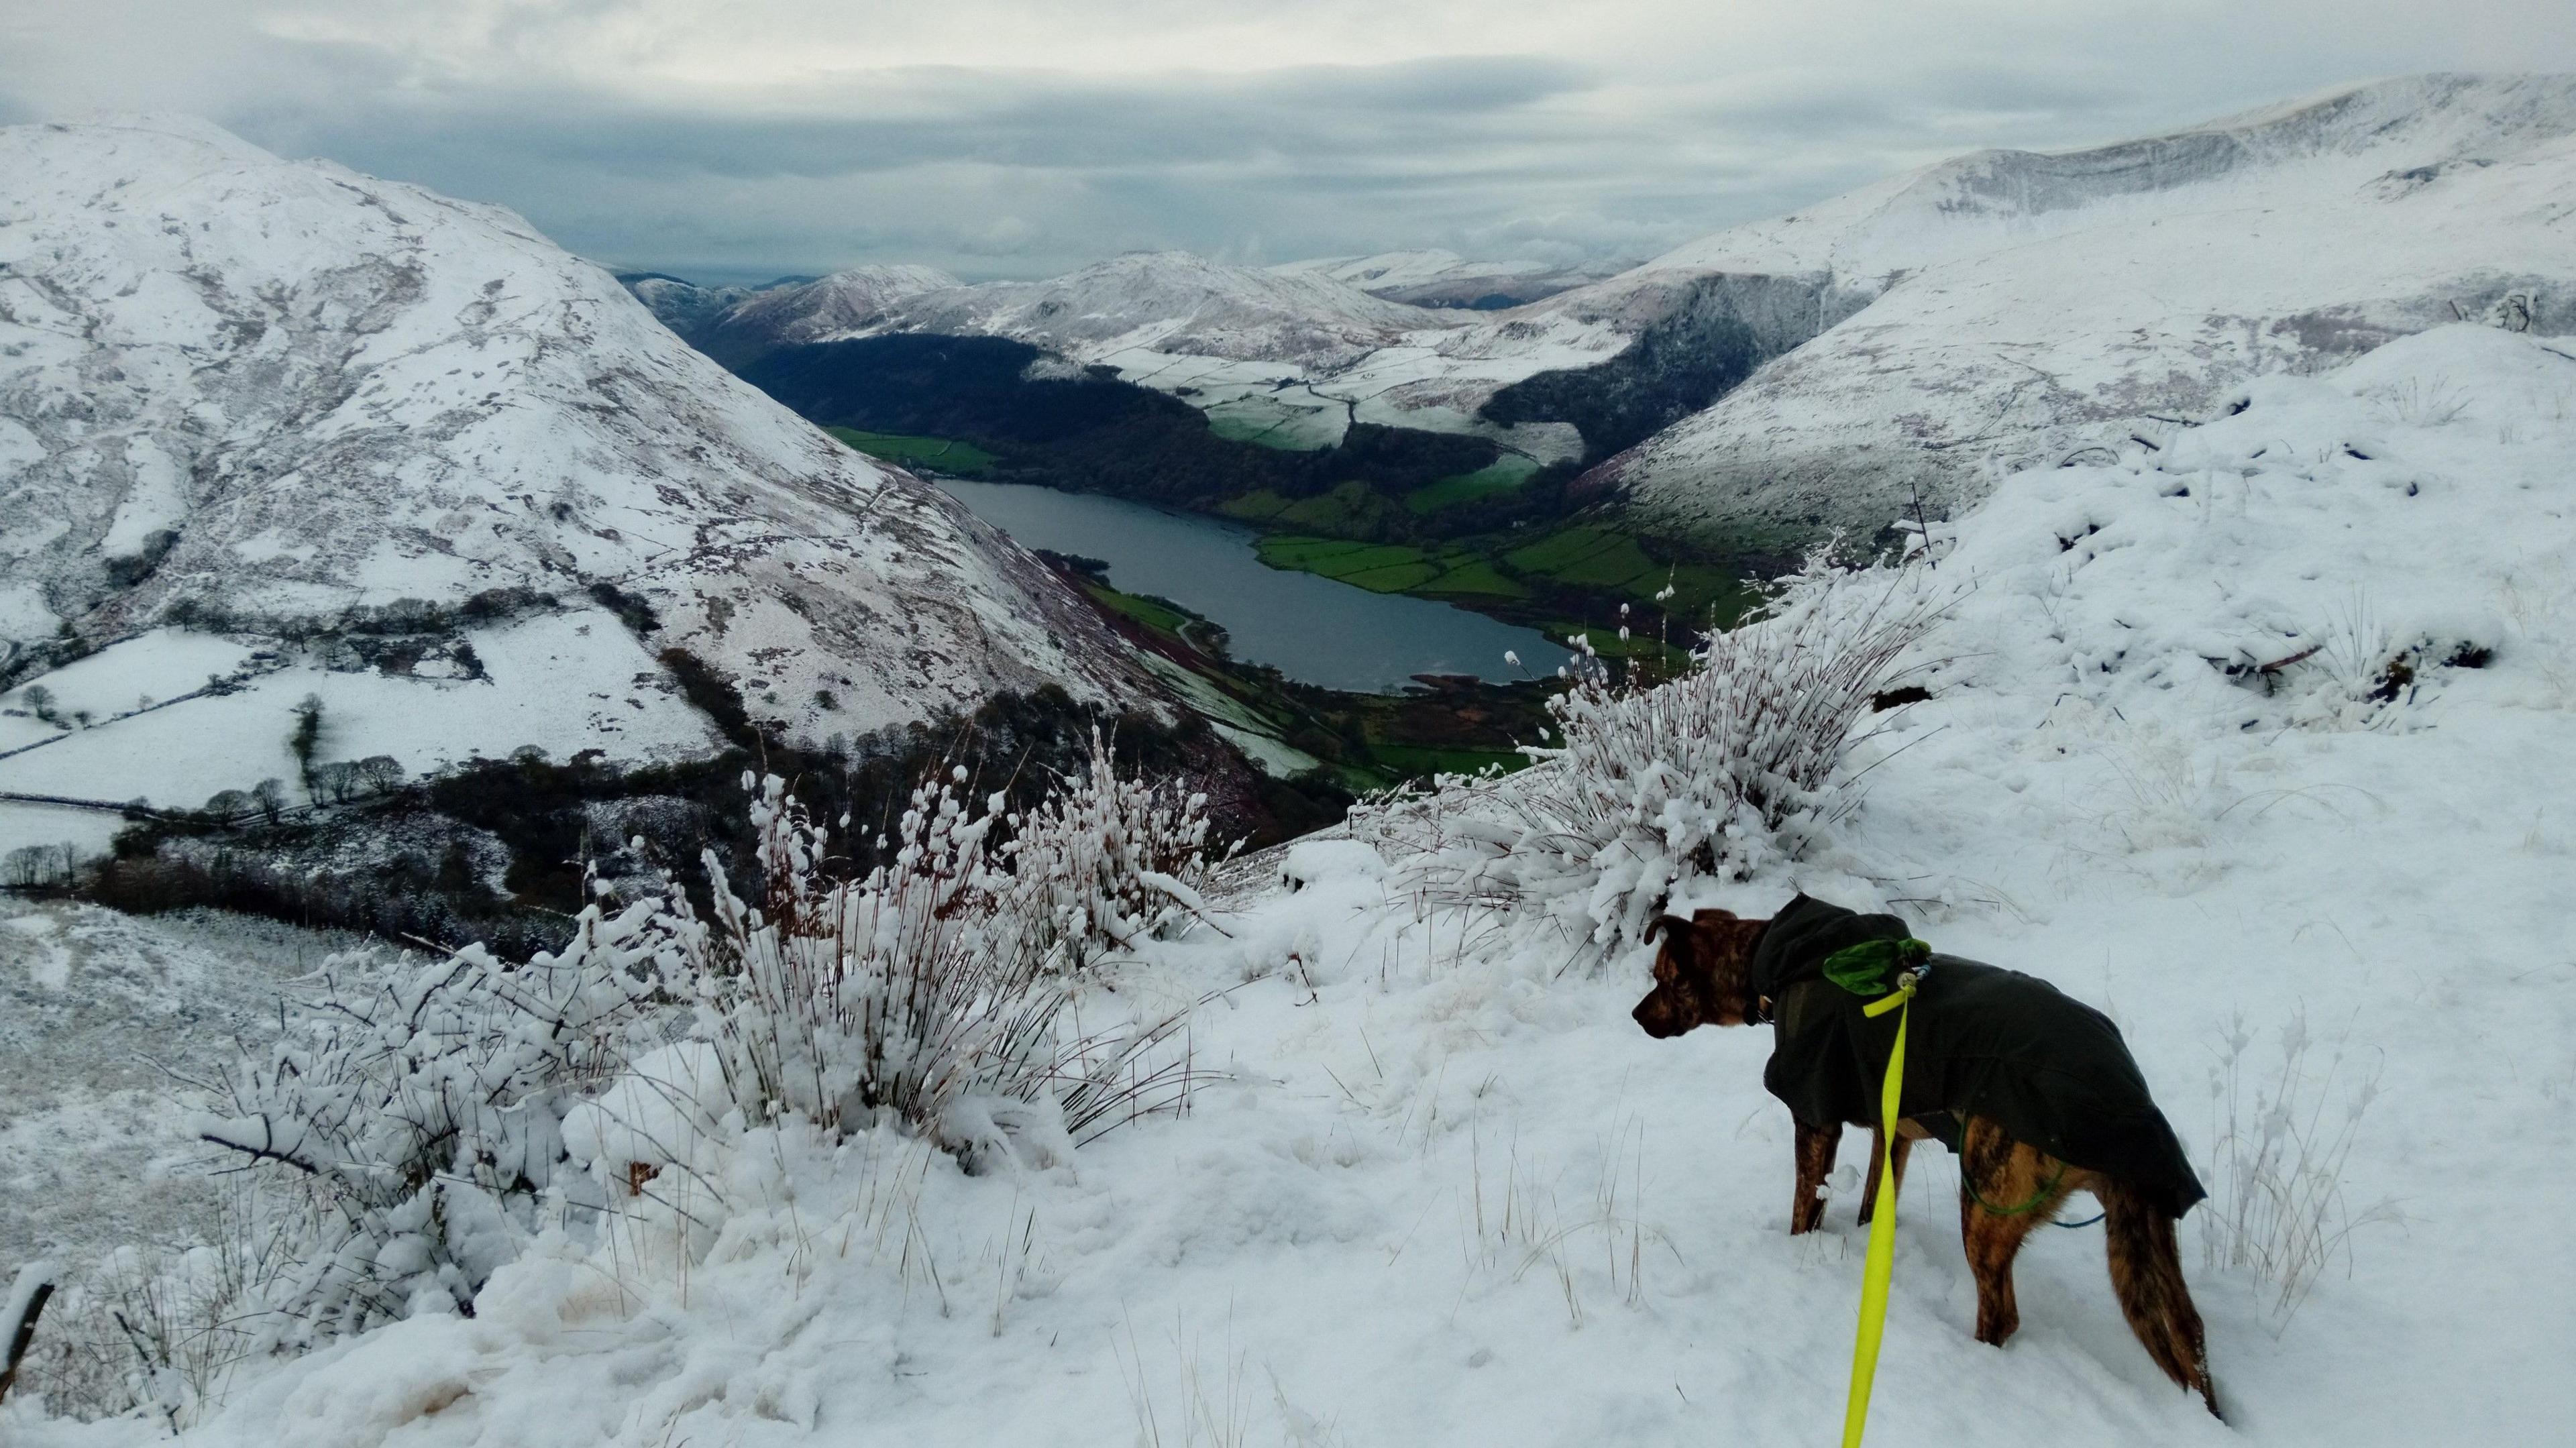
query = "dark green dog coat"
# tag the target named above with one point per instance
(1984, 1041)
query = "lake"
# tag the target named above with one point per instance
(1312, 629)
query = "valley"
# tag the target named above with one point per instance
(1448, 517)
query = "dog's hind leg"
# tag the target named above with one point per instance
(2005, 1189)
(2146, 1273)
(1816, 1148)
(1878, 1145)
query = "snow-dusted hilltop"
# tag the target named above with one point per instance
(2007, 308)
(1436, 278)
(1175, 302)
(1170, 300)
(756, 320)
(279, 398)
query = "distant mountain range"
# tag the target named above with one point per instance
(1819, 369)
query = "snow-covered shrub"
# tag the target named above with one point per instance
(2275, 1169)
(156, 1332)
(420, 1130)
(1736, 762)
(1103, 861)
(418, 1121)
(906, 994)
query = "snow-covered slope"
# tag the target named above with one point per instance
(1446, 1191)
(282, 400)
(1437, 278)
(2008, 308)
(684, 306)
(846, 303)
(1166, 301)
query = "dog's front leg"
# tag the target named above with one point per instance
(1816, 1147)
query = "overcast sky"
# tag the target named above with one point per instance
(1022, 137)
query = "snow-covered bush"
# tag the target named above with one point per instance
(907, 994)
(1736, 762)
(155, 1332)
(420, 1130)
(418, 1120)
(1103, 861)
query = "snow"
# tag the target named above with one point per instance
(1438, 278)
(88, 833)
(1389, 271)
(1447, 1192)
(94, 1007)
(749, 322)
(156, 666)
(563, 682)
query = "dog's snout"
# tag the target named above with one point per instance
(1650, 1015)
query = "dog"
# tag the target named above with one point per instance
(1716, 969)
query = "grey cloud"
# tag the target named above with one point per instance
(929, 115)
(989, 170)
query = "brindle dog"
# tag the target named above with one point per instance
(1703, 975)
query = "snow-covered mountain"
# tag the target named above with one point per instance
(1172, 301)
(1430, 277)
(753, 321)
(1167, 300)
(361, 432)
(2007, 308)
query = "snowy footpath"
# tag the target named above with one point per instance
(2256, 738)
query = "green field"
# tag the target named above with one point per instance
(1151, 612)
(1350, 508)
(1390, 567)
(1476, 576)
(1602, 561)
(1378, 567)
(939, 454)
(1589, 557)
(1503, 475)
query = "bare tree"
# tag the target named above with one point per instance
(335, 783)
(380, 773)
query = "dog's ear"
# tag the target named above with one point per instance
(1673, 926)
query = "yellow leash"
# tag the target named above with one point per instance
(1882, 1227)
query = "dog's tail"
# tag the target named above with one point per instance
(2146, 1273)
